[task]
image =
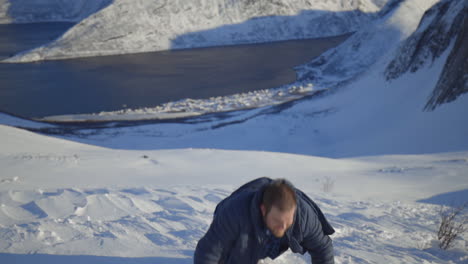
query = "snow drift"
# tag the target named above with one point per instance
(129, 26)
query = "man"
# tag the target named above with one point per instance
(261, 219)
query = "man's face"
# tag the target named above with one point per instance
(276, 221)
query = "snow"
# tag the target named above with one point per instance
(196, 107)
(366, 47)
(343, 64)
(65, 201)
(354, 119)
(120, 193)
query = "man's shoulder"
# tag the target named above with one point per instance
(309, 212)
(253, 186)
(244, 195)
(236, 203)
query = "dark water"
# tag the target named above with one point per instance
(19, 37)
(111, 83)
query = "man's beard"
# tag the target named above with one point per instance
(271, 231)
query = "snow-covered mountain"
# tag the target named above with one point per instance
(362, 50)
(34, 11)
(363, 117)
(128, 26)
(444, 28)
(377, 42)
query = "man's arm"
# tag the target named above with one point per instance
(218, 240)
(318, 244)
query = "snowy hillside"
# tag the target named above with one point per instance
(67, 202)
(128, 26)
(33, 11)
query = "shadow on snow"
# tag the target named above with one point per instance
(453, 199)
(78, 259)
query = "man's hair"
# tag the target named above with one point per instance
(279, 193)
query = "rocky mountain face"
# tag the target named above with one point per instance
(31, 11)
(444, 28)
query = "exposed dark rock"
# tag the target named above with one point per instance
(453, 80)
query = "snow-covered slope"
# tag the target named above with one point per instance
(33, 11)
(128, 26)
(66, 202)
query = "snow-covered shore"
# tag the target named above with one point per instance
(196, 107)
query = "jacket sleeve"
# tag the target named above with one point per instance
(219, 238)
(318, 244)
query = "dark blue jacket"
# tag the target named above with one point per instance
(237, 235)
